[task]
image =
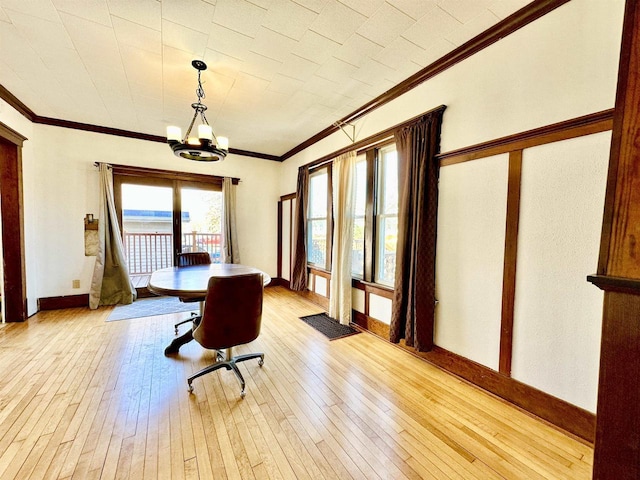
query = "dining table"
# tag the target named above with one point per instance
(191, 282)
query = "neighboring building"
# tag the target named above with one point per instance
(150, 221)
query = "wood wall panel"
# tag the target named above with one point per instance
(510, 261)
(617, 445)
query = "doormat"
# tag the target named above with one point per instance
(147, 307)
(328, 326)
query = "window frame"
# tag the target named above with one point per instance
(372, 158)
(329, 217)
(379, 217)
(125, 174)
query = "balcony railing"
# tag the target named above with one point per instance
(147, 252)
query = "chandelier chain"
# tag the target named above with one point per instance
(200, 89)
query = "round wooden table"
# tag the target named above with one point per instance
(192, 282)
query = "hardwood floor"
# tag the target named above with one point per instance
(84, 398)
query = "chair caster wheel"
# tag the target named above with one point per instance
(242, 394)
(260, 362)
(190, 388)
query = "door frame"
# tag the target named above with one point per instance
(165, 178)
(11, 208)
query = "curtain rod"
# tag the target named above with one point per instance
(168, 173)
(376, 138)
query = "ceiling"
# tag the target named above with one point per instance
(279, 71)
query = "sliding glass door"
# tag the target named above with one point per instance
(201, 221)
(162, 217)
(147, 227)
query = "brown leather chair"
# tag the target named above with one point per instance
(232, 316)
(186, 259)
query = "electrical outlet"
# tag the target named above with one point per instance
(76, 284)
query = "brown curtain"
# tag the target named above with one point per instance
(299, 262)
(412, 316)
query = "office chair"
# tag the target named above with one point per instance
(232, 316)
(186, 259)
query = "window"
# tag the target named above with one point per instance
(164, 212)
(375, 225)
(318, 218)
(386, 216)
(150, 234)
(376, 216)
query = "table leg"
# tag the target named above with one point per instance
(175, 345)
(186, 337)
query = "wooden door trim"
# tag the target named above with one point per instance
(15, 284)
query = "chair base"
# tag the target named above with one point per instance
(229, 363)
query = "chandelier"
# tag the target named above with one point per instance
(206, 147)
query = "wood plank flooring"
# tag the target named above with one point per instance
(82, 398)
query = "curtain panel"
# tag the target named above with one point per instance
(344, 198)
(230, 250)
(413, 308)
(299, 268)
(110, 284)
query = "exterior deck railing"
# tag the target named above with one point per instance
(147, 252)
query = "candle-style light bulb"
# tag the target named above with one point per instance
(205, 132)
(174, 134)
(223, 143)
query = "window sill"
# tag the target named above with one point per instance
(377, 288)
(382, 290)
(319, 271)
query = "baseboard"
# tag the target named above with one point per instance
(319, 300)
(370, 324)
(69, 301)
(560, 413)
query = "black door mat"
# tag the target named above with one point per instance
(328, 326)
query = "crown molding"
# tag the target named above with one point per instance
(507, 26)
(510, 24)
(29, 114)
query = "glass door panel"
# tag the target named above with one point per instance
(147, 224)
(201, 221)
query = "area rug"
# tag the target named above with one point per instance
(147, 307)
(328, 326)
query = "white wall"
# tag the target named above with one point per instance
(61, 186)
(470, 258)
(558, 314)
(562, 66)
(67, 186)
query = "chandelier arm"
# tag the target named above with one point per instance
(193, 120)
